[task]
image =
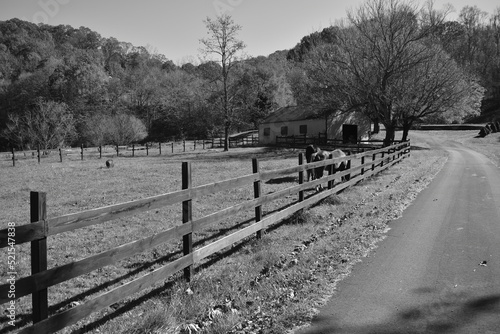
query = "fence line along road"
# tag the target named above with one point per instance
(41, 227)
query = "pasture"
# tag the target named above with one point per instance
(229, 290)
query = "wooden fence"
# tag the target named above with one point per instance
(303, 141)
(79, 153)
(41, 227)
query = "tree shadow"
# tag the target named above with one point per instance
(448, 315)
(286, 179)
(419, 148)
(121, 307)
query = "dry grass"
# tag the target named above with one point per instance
(272, 284)
(76, 185)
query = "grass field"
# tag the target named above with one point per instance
(272, 284)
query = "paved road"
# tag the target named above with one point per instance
(426, 276)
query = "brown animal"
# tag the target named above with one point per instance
(321, 155)
(310, 150)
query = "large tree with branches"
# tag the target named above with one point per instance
(385, 63)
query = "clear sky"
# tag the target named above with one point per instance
(174, 27)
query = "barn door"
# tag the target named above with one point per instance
(349, 133)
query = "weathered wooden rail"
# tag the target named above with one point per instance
(41, 227)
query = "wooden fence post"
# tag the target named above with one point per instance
(184, 145)
(38, 212)
(194, 145)
(60, 154)
(100, 151)
(256, 193)
(348, 176)
(159, 147)
(133, 150)
(38, 153)
(147, 149)
(301, 176)
(81, 146)
(331, 170)
(212, 142)
(187, 215)
(203, 143)
(362, 163)
(13, 158)
(373, 159)
(117, 150)
(172, 147)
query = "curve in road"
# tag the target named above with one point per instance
(438, 271)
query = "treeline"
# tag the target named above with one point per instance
(473, 41)
(61, 85)
(394, 61)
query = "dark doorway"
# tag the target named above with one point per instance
(349, 133)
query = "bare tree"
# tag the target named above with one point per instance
(125, 129)
(47, 125)
(222, 41)
(436, 91)
(385, 63)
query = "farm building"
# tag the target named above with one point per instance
(309, 121)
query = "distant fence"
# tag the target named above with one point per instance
(241, 141)
(302, 141)
(109, 151)
(441, 127)
(363, 164)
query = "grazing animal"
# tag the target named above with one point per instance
(338, 154)
(338, 166)
(109, 163)
(310, 151)
(320, 155)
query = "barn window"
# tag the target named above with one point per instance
(284, 130)
(303, 129)
(267, 131)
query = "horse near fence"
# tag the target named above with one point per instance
(41, 228)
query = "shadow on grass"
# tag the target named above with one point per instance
(262, 153)
(212, 260)
(419, 148)
(22, 319)
(286, 179)
(443, 316)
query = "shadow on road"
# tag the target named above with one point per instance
(451, 314)
(419, 148)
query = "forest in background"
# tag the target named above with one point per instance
(86, 89)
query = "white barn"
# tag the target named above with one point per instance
(309, 121)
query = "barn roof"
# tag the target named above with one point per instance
(294, 113)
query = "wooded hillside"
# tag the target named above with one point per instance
(112, 92)
(61, 85)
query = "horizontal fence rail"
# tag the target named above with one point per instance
(303, 141)
(41, 227)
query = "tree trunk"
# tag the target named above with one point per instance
(390, 130)
(226, 137)
(406, 129)
(376, 126)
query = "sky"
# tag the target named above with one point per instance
(174, 27)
